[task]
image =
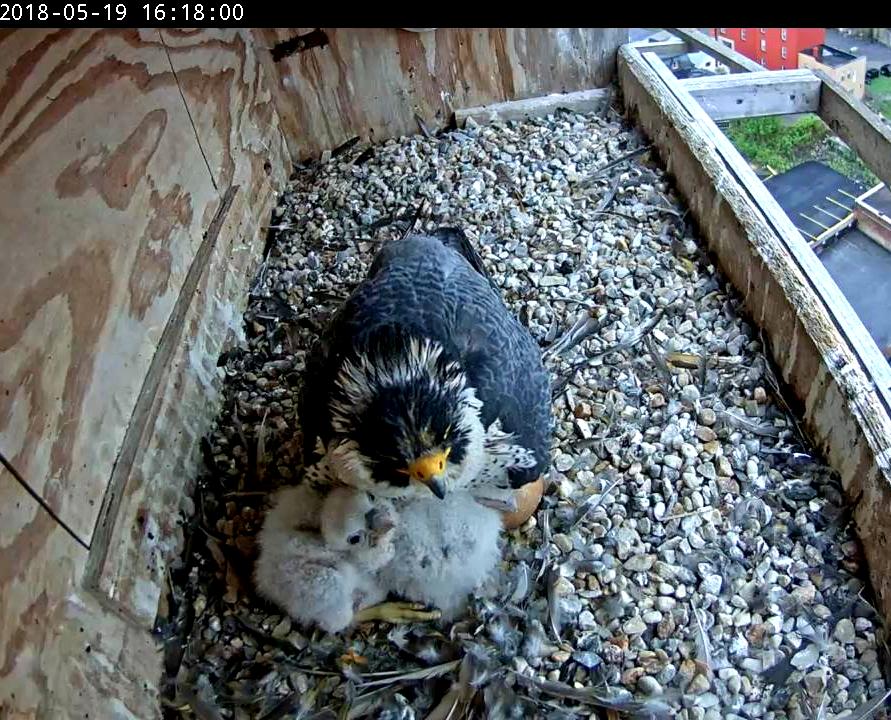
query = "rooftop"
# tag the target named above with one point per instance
(862, 270)
(860, 267)
(827, 55)
(814, 196)
(881, 201)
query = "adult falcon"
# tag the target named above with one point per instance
(424, 382)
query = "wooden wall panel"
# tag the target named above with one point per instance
(61, 655)
(370, 82)
(136, 172)
(133, 546)
(104, 197)
(231, 108)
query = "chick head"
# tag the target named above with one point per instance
(360, 525)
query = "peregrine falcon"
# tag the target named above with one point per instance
(424, 381)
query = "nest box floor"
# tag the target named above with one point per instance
(692, 553)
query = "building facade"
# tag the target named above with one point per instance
(774, 48)
(846, 69)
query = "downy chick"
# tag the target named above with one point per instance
(319, 558)
(444, 550)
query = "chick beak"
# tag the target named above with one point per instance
(430, 470)
(380, 522)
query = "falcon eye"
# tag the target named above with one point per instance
(354, 538)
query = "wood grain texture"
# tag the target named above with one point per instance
(370, 82)
(61, 655)
(761, 94)
(106, 191)
(865, 131)
(582, 101)
(841, 408)
(231, 108)
(117, 149)
(145, 534)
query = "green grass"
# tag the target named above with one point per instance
(878, 95)
(770, 142)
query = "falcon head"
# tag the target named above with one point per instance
(405, 420)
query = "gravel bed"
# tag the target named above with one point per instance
(692, 556)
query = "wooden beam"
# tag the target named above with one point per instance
(756, 94)
(867, 133)
(582, 101)
(700, 41)
(833, 231)
(823, 352)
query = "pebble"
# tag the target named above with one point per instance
(563, 542)
(640, 563)
(699, 684)
(711, 584)
(806, 658)
(844, 631)
(648, 685)
(706, 434)
(586, 620)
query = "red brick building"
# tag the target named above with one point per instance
(774, 48)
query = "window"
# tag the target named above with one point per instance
(783, 66)
(763, 30)
(783, 33)
(783, 53)
(763, 44)
(723, 31)
(742, 34)
(763, 62)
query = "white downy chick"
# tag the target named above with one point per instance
(444, 550)
(319, 557)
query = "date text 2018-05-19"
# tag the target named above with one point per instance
(70, 12)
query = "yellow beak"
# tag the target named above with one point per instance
(429, 469)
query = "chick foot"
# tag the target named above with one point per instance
(397, 612)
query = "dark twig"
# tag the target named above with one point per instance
(40, 501)
(613, 163)
(425, 131)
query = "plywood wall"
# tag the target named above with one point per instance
(371, 82)
(136, 168)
